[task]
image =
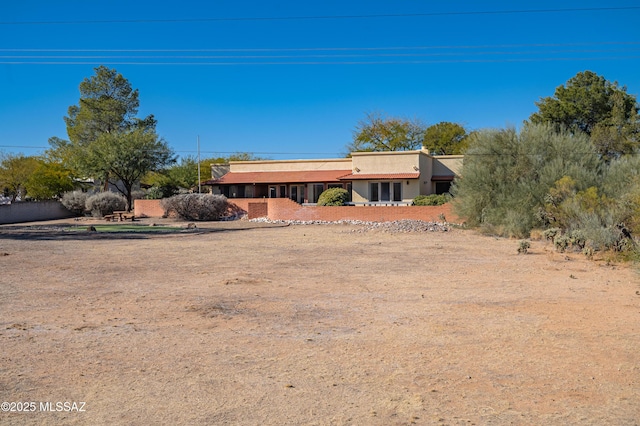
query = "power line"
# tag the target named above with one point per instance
(317, 56)
(412, 62)
(326, 55)
(304, 49)
(323, 17)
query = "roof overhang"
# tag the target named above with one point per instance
(275, 177)
(443, 178)
(380, 176)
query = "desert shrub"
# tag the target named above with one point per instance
(578, 239)
(551, 233)
(523, 247)
(155, 193)
(507, 174)
(75, 201)
(196, 206)
(430, 200)
(104, 203)
(333, 197)
(561, 242)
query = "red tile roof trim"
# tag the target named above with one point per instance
(307, 176)
(380, 176)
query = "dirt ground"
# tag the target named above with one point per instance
(256, 324)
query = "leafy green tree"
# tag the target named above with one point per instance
(446, 138)
(106, 139)
(128, 156)
(601, 109)
(380, 133)
(49, 180)
(15, 170)
(108, 104)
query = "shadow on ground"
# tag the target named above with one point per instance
(72, 231)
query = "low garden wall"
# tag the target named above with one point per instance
(285, 209)
(33, 211)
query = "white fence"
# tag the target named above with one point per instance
(33, 211)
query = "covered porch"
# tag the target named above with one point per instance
(300, 186)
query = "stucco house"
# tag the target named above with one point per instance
(387, 178)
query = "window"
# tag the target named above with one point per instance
(385, 191)
(317, 189)
(397, 191)
(373, 192)
(272, 192)
(283, 191)
(294, 193)
(442, 187)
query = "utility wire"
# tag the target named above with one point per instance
(362, 55)
(410, 62)
(324, 17)
(327, 56)
(306, 49)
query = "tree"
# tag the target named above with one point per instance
(108, 104)
(49, 180)
(601, 109)
(380, 133)
(446, 138)
(128, 156)
(106, 139)
(15, 170)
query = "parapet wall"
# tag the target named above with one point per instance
(285, 209)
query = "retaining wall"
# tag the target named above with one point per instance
(150, 208)
(285, 209)
(33, 212)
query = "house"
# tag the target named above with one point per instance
(389, 178)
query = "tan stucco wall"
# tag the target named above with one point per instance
(386, 162)
(291, 165)
(360, 191)
(447, 165)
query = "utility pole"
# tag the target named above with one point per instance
(199, 180)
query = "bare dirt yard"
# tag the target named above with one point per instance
(257, 324)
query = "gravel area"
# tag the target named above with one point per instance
(397, 226)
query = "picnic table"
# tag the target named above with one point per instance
(120, 216)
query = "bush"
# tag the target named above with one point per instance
(523, 247)
(75, 202)
(104, 203)
(561, 242)
(155, 193)
(196, 206)
(430, 200)
(551, 233)
(507, 174)
(333, 197)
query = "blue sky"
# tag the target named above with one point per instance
(291, 79)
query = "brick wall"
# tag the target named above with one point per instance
(285, 209)
(150, 208)
(256, 210)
